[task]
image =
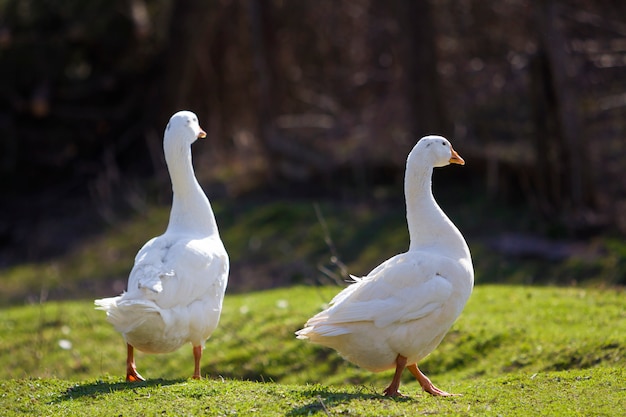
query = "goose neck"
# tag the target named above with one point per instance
(429, 227)
(191, 210)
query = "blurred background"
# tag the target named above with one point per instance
(311, 107)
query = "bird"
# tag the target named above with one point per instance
(399, 313)
(176, 287)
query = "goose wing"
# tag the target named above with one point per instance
(406, 287)
(177, 272)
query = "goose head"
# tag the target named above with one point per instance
(183, 128)
(435, 151)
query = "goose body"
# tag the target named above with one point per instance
(399, 313)
(176, 286)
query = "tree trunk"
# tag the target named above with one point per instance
(262, 48)
(547, 173)
(180, 87)
(572, 152)
(426, 107)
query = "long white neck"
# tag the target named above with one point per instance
(191, 210)
(429, 227)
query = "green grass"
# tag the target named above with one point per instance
(597, 392)
(514, 351)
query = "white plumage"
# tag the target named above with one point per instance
(399, 313)
(176, 287)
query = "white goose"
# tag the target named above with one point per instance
(176, 287)
(400, 312)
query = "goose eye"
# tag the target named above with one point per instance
(443, 143)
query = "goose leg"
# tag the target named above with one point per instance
(426, 384)
(131, 370)
(197, 354)
(392, 389)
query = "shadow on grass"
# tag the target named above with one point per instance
(323, 399)
(101, 387)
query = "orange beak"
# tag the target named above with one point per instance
(456, 158)
(202, 134)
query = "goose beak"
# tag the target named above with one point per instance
(201, 134)
(456, 158)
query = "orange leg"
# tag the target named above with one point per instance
(197, 354)
(131, 370)
(425, 382)
(392, 389)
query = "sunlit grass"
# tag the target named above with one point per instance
(504, 329)
(597, 392)
(555, 351)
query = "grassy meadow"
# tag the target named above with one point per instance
(516, 350)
